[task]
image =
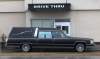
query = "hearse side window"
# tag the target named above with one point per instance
(27, 34)
(22, 33)
(58, 34)
(44, 34)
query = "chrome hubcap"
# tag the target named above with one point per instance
(25, 47)
(80, 48)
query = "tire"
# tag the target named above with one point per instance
(25, 47)
(80, 47)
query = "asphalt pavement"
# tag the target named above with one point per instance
(55, 57)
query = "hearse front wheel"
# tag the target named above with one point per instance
(80, 47)
(25, 47)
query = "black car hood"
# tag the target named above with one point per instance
(80, 38)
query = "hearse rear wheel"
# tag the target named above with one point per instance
(25, 47)
(80, 47)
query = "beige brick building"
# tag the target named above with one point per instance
(83, 20)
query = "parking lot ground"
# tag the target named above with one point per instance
(50, 53)
(49, 57)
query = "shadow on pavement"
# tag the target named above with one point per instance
(41, 50)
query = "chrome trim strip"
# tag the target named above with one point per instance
(45, 44)
(14, 43)
(12, 46)
(21, 38)
(49, 47)
(79, 42)
(54, 44)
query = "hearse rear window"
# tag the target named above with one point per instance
(22, 33)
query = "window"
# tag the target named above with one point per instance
(64, 25)
(44, 34)
(58, 34)
(22, 33)
(65, 29)
(44, 23)
(58, 27)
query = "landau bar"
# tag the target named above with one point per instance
(48, 6)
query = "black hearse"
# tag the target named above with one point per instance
(27, 38)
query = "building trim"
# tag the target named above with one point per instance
(14, 12)
(11, 0)
(87, 10)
